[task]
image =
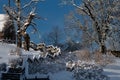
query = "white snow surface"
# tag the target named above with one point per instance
(62, 75)
(4, 52)
(111, 70)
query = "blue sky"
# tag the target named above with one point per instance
(54, 13)
(49, 9)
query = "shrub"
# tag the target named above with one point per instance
(83, 55)
(103, 59)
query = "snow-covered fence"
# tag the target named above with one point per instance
(45, 51)
(57, 51)
(53, 51)
(70, 65)
(28, 59)
(41, 47)
(33, 45)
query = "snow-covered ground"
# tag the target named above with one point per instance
(112, 70)
(4, 52)
(62, 75)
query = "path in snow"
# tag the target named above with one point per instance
(113, 70)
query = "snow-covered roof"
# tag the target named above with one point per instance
(3, 18)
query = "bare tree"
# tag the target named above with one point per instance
(101, 14)
(76, 31)
(23, 22)
(55, 36)
(114, 39)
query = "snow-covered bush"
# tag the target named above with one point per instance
(83, 55)
(103, 59)
(85, 71)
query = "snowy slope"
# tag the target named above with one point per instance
(5, 52)
(111, 70)
(4, 57)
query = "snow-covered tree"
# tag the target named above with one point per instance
(100, 14)
(22, 20)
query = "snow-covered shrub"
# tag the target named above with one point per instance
(85, 71)
(83, 55)
(98, 56)
(103, 59)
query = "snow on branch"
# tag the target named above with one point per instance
(30, 2)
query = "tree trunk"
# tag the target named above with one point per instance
(19, 40)
(102, 47)
(19, 36)
(27, 42)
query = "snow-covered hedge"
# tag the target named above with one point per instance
(85, 71)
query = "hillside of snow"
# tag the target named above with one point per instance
(56, 68)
